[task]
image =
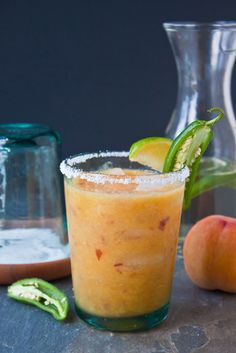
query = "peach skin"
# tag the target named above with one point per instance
(210, 253)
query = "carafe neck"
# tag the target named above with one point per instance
(205, 56)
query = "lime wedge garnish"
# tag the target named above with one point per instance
(150, 151)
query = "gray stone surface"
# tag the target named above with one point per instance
(199, 321)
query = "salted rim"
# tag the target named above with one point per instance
(69, 167)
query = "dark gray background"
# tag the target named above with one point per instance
(101, 72)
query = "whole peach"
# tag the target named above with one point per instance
(210, 253)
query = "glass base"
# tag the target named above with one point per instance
(136, 323)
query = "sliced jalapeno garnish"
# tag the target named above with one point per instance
(42, 294)
(188, 148)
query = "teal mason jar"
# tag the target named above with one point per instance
(32, 216)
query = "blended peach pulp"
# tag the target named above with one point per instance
(123, 244)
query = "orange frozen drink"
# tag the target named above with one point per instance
(123, 227)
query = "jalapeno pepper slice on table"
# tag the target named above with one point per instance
(188, 148)
(42, 294)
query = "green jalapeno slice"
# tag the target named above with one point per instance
(42, 294)
(188, 148)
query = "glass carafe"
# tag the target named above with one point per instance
(205, 56)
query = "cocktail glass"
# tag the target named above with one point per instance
(123, 222)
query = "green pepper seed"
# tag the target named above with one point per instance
(188, 148)
(42, 294)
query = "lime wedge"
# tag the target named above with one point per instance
(150, 151)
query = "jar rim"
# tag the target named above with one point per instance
(72, 167)
(199, 25)
(12, 132)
